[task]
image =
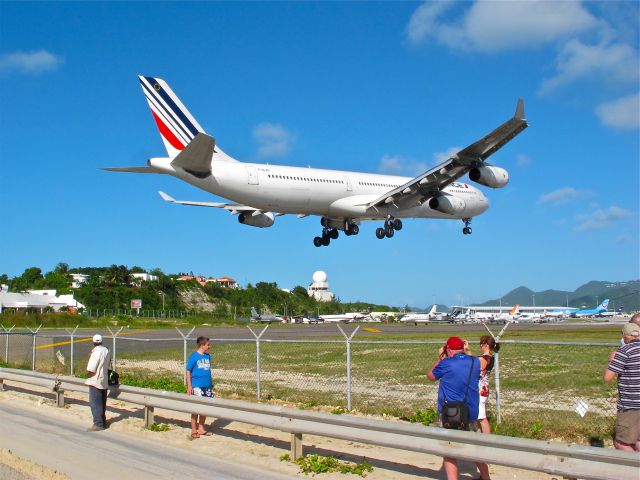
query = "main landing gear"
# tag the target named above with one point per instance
(391, 225)
(330, 232)
(467, 229)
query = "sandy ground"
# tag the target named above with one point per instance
(231, 441)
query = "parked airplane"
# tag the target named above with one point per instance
(347, 317)
(342, 199)
(265, 317)
(510, 316)
(592, 312)
(425, 317)
(559, 313)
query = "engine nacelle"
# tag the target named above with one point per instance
(494, 177)
(447, 204)
(261, 220)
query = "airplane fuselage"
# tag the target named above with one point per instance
(327, 193)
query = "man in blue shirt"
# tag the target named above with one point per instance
(452, 369)
(199, 382)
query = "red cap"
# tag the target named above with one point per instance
(455, 343)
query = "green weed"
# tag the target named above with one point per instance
(159, 427)
(318, 464)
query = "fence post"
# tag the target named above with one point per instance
(348, 339)
(6, 345)
(114, 336)
(33, 347)
(71, 334)
(257, 337)
(184, 352)
(497, 381)
(496, 367)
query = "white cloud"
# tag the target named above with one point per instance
(398, 165)
(273, 138)
(576, 60)
(523, 160)
(623, 113)
(492, 26)
(440, 157)
(563, 195)
(32, 63)
(601, 218)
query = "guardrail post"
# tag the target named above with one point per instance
(59, 398)
(33, 347)
(258, 385)
(114, 336)
(148, 416)
(296, 446)
(6, 345)
(1, 384)
(348, 339)
(184, 352)
(71, 334)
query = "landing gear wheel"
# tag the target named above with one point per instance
(333, 234)
(380, 233)
(397, 224)
(325, 241)
(355, 230)
(317, 241)
(389, 231)
(466, 230)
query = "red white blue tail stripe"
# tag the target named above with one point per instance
(177, 126)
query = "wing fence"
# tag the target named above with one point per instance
(546, 389)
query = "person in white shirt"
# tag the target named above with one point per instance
(98, 381)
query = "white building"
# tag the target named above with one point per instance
(78, 279)
(319, 288)
(24, 301)
(143, 277)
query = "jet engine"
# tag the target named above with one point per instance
(447, 204)
(262, 220)
(494, 177)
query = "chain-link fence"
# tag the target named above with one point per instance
(538, 388)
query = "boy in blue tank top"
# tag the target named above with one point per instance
(199, 382)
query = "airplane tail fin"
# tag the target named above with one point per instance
(515, 309)
(604, 305)
(176, 124)
(433, 309)
(254, 313)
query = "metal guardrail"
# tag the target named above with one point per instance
(571, 461)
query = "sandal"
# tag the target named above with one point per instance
(194, 435)
(205, 434)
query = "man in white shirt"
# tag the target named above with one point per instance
(98, 381)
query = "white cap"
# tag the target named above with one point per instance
(97, 338)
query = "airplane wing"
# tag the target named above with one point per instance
(417, 190)
(233, 208)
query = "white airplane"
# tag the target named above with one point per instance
(347, 317)
(425, 317)
(511, 316)
(342, 199)
(265, 317)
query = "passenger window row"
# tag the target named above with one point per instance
(305, 179)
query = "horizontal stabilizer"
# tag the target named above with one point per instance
(132, 169)
(196, 157)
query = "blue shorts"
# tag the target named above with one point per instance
(203, 392)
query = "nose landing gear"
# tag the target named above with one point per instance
(467, 229)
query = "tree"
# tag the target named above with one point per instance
(62, 268)
(300, 291)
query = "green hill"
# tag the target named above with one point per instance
(625, 294)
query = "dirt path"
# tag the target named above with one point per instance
(254, 447)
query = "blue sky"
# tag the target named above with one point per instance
(381, 87)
